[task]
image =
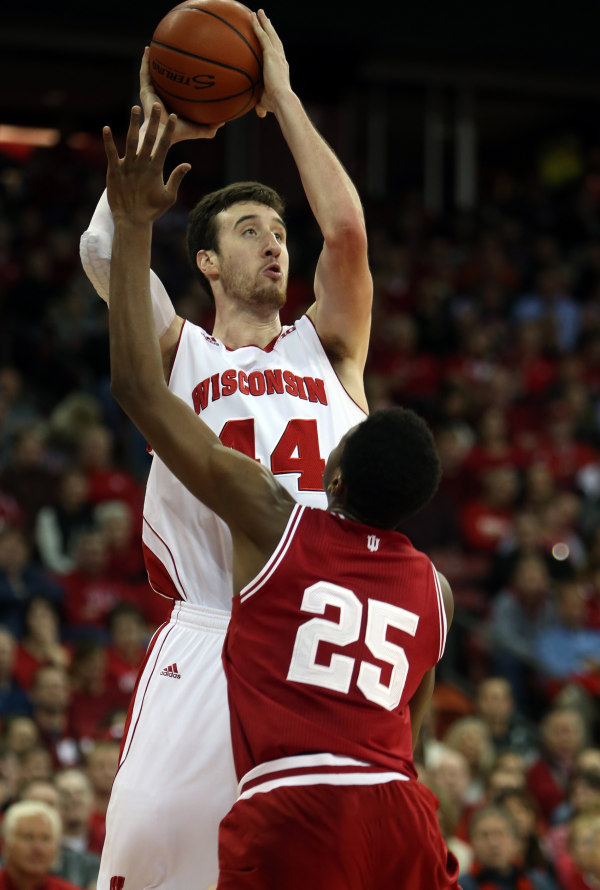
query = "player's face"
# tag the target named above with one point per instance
(252, 257)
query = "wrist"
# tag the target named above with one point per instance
(283, 99)
(131, 223)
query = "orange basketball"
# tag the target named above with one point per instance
(206, 62)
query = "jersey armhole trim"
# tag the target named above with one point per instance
(443, 620)
(175, 351)
(330, 363)
(277, 555)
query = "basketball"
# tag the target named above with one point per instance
(206, 62)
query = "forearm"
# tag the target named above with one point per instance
(95, 250)
(136, 365)
(331, 194)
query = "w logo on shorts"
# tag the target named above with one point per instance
(117, 882)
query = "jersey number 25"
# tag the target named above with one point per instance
(337, 675)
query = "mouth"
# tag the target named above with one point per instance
(273, 271)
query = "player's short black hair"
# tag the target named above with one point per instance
(390, 467)
(202, 230)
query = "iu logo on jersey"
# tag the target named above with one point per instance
(373, 543)
(117, 882)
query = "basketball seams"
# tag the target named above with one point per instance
(229, 25)
(185, 52)
(201, 87)
(209, 101)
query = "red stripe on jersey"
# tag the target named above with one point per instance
(147, 657)
(159, 576)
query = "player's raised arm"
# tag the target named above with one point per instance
(343, 285)
(238, 489)
(95, 246)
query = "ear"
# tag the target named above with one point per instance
(208, 263)
(336, 485)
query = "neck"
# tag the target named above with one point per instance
(239, 326)
(25, 881)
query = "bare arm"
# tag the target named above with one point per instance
(242, 492)
(95, 246)
(343, 284)
(419, 703)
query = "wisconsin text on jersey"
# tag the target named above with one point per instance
(271, 381)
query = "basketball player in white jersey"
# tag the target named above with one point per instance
(281, 395)
(325, 710)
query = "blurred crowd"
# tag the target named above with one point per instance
(487, 322)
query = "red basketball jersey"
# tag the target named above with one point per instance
(327, 645)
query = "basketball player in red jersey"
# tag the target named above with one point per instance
(325, 710)
(283, 395)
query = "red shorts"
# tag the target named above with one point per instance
(325, 837)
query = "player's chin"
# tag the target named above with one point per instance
(273, 295)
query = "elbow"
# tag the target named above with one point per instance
(349, 233)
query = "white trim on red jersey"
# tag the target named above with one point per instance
(277, 555)
(442, 608)
(313, 769)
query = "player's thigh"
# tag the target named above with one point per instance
(176, 778)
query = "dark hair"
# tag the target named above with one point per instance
(202, 233)
(390, 467)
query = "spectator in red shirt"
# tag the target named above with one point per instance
(536, 370)
(90, 591)
(92, 695)
(41, 644)
(563, 737)
(578, 868)
(50, 696)
(32, 833)
(28, 478)
(494, 447)
(560, 448)
(487, 519)
(102, 763)
(125, 560)
(127, 649)
(106, 482)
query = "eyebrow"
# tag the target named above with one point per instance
(256, 216)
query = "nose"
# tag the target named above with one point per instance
(272, 246)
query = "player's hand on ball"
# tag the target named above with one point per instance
(135, 183)
(149, 98)
(276, 71)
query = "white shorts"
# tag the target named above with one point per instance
(176, 778)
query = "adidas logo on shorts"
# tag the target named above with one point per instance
(171, 671)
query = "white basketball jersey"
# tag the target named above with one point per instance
(283, 405)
